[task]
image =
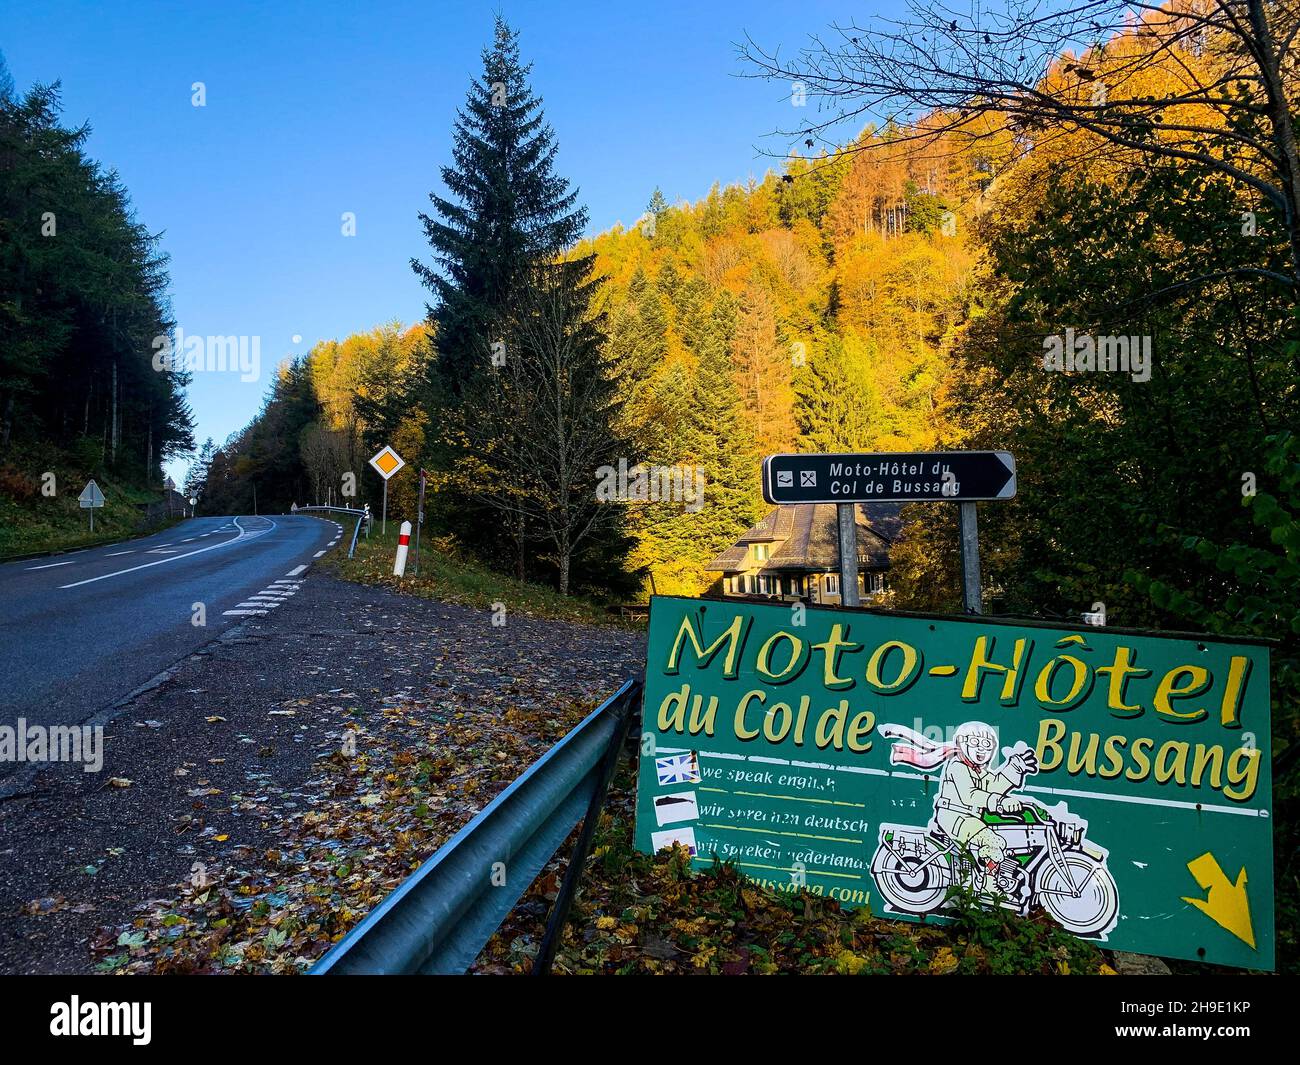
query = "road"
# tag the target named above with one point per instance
(80, 631)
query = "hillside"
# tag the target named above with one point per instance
(32, 522)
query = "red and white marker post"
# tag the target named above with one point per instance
(403, 545)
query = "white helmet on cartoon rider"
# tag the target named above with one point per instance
(976, 741)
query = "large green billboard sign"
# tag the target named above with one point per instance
(1118, 781)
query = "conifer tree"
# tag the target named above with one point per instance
(837, 405)
(506, 210)
(505, 213)
(728, 453)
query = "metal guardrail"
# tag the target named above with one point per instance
(443, 914)
(361, 516)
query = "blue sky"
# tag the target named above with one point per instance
(314, 109)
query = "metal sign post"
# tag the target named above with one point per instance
(847, 519)
(419, 520)
(972, 599)
(90, 498)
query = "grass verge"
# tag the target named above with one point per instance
(445, 576)
(32, 522)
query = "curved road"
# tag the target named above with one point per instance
(78, 632)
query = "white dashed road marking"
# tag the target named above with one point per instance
(296, 570)
(267, 599)
(48, 565)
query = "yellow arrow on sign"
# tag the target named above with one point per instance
(1226, 905)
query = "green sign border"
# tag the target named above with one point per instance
(1176, 857)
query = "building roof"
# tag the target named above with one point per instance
(807, 538)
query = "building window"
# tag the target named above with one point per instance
(762, 552)
(832, 584)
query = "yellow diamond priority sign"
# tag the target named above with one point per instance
(387, 462)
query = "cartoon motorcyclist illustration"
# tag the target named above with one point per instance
(971, 787)
(1009, 850)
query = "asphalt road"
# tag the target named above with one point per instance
(79, 632)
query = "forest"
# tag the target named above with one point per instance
(915, 287)
(83, 294)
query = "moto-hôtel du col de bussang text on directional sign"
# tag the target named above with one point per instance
(1118, 781)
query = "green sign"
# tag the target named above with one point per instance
(1119, 782)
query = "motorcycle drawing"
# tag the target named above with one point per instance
(987, 838)
(1048, 863)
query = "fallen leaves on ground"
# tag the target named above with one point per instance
(358, 828)
(638, 914)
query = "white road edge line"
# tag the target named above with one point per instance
(244, 534)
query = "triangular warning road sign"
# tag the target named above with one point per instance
(91, 496)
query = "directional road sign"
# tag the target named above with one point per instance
(949, 476)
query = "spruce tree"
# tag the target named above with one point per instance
(196, 478)
(637, 351)
(506, 210)
(7, 89)
(838, 406)
(729, 453)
